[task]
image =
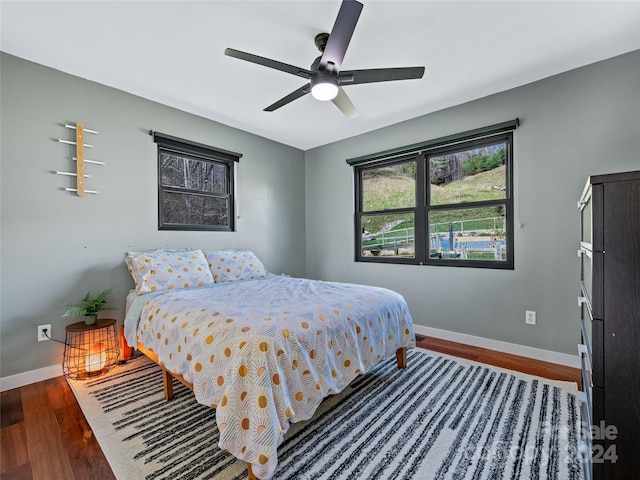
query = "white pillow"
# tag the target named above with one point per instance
(168, 269)
(234, 265)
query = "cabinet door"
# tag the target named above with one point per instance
(586, 214)
(597, 260)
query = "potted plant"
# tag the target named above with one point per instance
(89, 307)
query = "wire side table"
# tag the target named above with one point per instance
(90, 350)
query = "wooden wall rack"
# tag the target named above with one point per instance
(79, 159)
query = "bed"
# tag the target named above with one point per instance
(262, 349)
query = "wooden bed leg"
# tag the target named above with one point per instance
(250, 472)
(167, 384)
(401, 357)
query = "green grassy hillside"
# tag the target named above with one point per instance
(393, 190)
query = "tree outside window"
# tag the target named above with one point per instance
(195, 185)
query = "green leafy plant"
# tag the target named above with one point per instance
(89, 306)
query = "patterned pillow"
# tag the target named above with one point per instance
(168, 269)
(234, 265)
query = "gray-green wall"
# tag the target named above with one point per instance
(295, 208)
(580, 123)
(56, 246)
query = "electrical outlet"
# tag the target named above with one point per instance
(530, 317)
(41, 329)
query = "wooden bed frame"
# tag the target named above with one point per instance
(167, 380)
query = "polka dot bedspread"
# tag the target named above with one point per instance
(265, 352)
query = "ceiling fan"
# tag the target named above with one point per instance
(325, 76)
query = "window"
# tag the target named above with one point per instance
(444, 202)
(195, 185)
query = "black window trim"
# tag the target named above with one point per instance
(436, 143)
(420, 153)
(360, 213)
(507, 264)
(198, 151)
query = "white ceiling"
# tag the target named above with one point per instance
(172, 52)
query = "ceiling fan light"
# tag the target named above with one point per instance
(324, 88)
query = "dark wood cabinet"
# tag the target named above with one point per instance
(610, 320)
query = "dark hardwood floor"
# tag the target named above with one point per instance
(44, 435)
(528, 365)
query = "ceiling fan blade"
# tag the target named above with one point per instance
(353, 77)
(340, 36)
(267, 62)
(289, 98)
(343, 102)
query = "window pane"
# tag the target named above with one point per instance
(389, 187)
(184, 172)
(468, 234)
(192, 209)
(388, 235)
(469, 176)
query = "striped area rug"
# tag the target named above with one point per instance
(440, 418)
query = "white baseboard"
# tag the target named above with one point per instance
(506, 347)
(41, 374)
(32, 376)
